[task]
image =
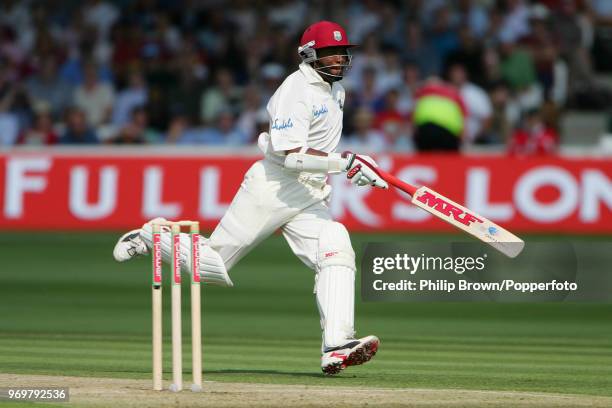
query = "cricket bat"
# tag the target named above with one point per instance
(459, 216)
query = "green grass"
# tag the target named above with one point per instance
(68, 309)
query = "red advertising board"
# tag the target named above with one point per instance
(117, 190)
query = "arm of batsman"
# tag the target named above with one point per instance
(361, 170)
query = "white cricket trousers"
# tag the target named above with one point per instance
(272, 197)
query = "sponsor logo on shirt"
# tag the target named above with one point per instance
(280, 125)
(320, 111)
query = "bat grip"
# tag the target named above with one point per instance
(397, 183)
(391, 179)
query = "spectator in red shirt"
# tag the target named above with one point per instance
(392, 123)
(534, 137)
(390, 112)
(42, 133)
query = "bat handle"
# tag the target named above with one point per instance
(397, 183)
(391, 179)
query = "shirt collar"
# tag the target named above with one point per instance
(311, 75)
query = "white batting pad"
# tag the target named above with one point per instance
(335, 289)
(212, 269)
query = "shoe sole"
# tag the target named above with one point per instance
(362, 354)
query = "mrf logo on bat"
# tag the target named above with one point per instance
(441, 205)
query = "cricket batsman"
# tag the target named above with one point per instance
(287, 189)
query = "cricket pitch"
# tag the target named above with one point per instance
(105, 392)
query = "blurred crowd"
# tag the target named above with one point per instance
(201, 72)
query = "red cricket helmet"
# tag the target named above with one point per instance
(323, 34)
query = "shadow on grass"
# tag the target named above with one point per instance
(273, 373)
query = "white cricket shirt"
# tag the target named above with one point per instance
(306, 111)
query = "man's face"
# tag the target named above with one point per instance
(333, 57)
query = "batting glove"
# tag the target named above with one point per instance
(361, 170)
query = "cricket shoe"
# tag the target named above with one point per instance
(355, 352)
(131, 245)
